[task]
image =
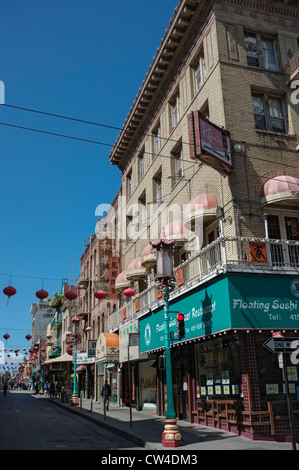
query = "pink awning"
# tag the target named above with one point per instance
(281, 189)
(176, 231)
(149, 255)
(201, 206)
(135, 269)
(121, 282)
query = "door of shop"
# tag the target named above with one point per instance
(284, 226)
(180, 393)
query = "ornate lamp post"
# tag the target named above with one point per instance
(75, 320)
(171, 436)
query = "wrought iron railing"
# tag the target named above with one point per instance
(223, 254)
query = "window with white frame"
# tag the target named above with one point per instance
(141, 165)
(129, 184)
(142, 211)
(199, 71)
(261, 51)
(269, 113)
(157, 140)
(178, 164)
(175, 111)
(158, 189)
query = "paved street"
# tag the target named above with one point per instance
(28, 423)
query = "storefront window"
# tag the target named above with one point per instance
(218, 373)
(270, 372)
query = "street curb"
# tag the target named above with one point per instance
(136, 440)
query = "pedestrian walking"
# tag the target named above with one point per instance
(106, 394)
(52, 390)
(4, 389)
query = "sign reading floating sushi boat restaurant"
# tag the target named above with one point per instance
(234, 301)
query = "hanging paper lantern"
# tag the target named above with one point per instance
(49, 336)
(100, 294)
(41, 294)
(70, 349)
(71, 295)
(9, 291)
(88, 329)
(6, 336)
(129, 292)
(28, 337)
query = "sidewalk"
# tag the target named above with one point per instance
(145, 429)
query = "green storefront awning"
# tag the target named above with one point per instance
(231, 301)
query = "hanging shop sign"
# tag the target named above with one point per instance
(125, 333)
(234, 301)
(209, 143)
(113, 273)
(107, 347)
(91, 347)
(82, 358)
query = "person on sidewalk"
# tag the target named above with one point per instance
(106, 394)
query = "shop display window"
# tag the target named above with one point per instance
(271, 374)
(218, 374)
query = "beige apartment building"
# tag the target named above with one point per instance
(209, 158)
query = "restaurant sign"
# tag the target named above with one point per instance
(230, 301)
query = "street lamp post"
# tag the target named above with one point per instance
(75, 400)
(171, 436)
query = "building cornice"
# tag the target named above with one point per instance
(287, 8)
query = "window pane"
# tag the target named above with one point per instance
(276, 114)
(269, 54)
(197, 75)
(259, 112)
(251, 51)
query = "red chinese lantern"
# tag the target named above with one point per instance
(49, 336)
(71, 295)
(6, 336)
(41, 294)
(88, 329)
(9, 291)
(28, 337)
(129, 292)
(70, 349)
(100, 294)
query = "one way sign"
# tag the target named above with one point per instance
(278, 345)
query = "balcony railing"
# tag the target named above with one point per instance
(292, 67)
(226, 254)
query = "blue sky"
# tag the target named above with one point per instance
(85, 60)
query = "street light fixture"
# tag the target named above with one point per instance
(75, 320)
(171, 436)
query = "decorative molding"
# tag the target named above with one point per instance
(278, 7)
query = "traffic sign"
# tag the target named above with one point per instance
(278, 345)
